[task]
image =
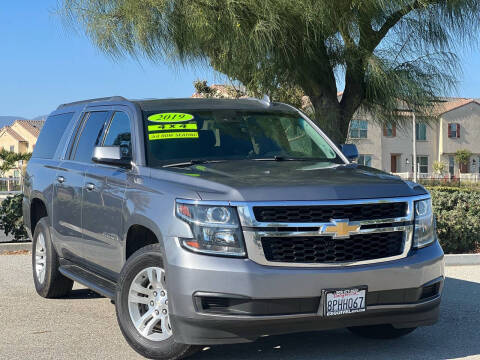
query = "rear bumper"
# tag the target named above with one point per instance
(190, 274)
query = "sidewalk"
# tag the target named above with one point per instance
(4, 238)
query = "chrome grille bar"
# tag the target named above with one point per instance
(254, 230)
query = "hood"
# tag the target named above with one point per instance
(248, 180)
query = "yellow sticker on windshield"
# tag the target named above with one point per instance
(160, 127)
(170, 117)
(173, 135)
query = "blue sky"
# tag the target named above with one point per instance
(42, 65)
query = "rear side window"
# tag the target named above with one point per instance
(90, 136)
(120, 134)
(50, 135)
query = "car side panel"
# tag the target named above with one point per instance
(103, 223)
(38, 184)
(66, 214)
(151, 203)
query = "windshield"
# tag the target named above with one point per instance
(232, 135)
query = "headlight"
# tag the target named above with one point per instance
(216, 229)
(424, 233)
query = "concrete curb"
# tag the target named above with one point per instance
(462, 259)
(15, 246)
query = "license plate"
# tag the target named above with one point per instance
(344, 301)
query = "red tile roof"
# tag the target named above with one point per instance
(32, 126)
(451, 104)
(12, 133)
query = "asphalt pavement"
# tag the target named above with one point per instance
(83, 326)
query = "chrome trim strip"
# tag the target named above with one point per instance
(262, 233)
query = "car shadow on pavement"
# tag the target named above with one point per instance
(80, 294)
(456, 335)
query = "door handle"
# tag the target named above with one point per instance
(60, 179)
(90, 186)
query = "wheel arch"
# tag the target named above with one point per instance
(141, 232)
(38, 209)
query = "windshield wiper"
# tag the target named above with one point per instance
(191, 162)
(286, 158)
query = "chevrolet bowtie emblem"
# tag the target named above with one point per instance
(339, 228)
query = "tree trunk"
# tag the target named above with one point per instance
(334, 116)
(329, 117)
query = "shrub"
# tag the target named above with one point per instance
(457, 211)
(11, 217)
(439, 167)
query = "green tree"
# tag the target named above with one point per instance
(463, 158)
(289, 95)
(385, 53)
(9, 159)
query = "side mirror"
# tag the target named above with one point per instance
(350, 151)
(110, 155)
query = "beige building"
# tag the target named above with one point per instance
(20, 137)
(391, 149)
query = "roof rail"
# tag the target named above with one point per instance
(109, 98)
(266, 99)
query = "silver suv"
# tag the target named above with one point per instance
(218, 221)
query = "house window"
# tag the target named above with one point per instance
(358, 129)
(364, 160)
(422, 164)
(421, 131)
(451, 165)
(12, 148)
(453, 130)
(16, 173)
(389, 130)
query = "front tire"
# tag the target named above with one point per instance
(49, 282)
(142, 307)
(385, 331)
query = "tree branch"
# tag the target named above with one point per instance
(392, 20)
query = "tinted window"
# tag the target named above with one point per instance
(50, 135)
(90, 136)
(119, 134)
(232, 135)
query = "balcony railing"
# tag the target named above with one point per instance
(447, 178)
(10, 184)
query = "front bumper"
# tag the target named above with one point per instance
(190, 274)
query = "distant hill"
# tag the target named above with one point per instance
(8, 120)
(41, 117)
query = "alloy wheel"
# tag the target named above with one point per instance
(40, 258)
(148, 304)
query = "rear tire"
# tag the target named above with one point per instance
(142, 298)
(385, 331)
(49, 282)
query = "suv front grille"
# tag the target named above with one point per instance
(325, 249)
(324, 213)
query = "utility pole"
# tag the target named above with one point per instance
(414, 160)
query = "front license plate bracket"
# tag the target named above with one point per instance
(343, 301)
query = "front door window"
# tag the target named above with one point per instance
(451, 165)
